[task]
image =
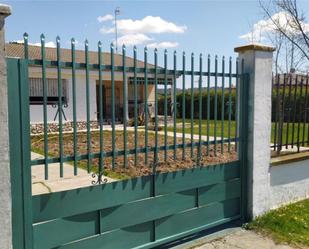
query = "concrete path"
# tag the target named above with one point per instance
(237, 238)
(54, 182)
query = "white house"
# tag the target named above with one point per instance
(36, 86)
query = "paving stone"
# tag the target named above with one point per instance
(55, 183)
(242, 239)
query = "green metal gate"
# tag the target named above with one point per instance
(144, 211)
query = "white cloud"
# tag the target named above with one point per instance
(105, 30)
(105, 18)
(282, 19)
(49, 44)
(163, 45)
(149, 24)
(133, 39)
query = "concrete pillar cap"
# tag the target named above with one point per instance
(5, 10)
(254, 47)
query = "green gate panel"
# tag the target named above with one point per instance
(60, 231)
(146, 210)
(219, 192)
(142, 212)
(196, 177)
(197, 217)
(128, 208)
(77, 201)
(130, 237)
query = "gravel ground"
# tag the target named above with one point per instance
(139, 168)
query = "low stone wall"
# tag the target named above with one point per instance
(38, 128)
(289, 182)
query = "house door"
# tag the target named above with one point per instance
(107, 103)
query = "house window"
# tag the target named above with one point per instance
(36, 91)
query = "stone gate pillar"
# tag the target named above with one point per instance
(258, 64)
(5, 182)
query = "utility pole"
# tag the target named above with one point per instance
(117, 12)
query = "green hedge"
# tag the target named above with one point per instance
(196, 104)
(293, 106)
(299, 110)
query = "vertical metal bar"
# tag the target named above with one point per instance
(146, 104)
(222, 104)
(26, 52)
(74, 105)
(236, 104)
(60, 104)
(290, 109)
(192, 102)
(306, 109)
(230, 104)
(305, 112)
(19, 149)
(216, 106)
(44, 106)
(282, 110)
(273, 118)
(89, 161)
(200, 111)
(174, 103)
(165, 105)
(183, 103)
(307, 82)
(294, 111)
(299, 113)
(113, 107)
(135, 105)
(273, 85)
(100, 107)
(307, 79)
(276, 145)
(25, 152)
(243, 137)
(208, 104)
(156, 150)
(125, 99)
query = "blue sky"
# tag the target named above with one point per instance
(210, 27)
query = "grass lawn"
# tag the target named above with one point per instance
(303, 131)
(288, 224)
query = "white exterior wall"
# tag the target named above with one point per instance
(289, 183)
(5, 178)
(36, 111)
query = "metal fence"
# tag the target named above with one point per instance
(186, 139)
(290, 127)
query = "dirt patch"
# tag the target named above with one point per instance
(138, 167)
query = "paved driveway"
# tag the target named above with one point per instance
(55, 183)
(233, 238)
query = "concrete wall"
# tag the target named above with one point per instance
(258, 65)
(5, 179)
(289, 183)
